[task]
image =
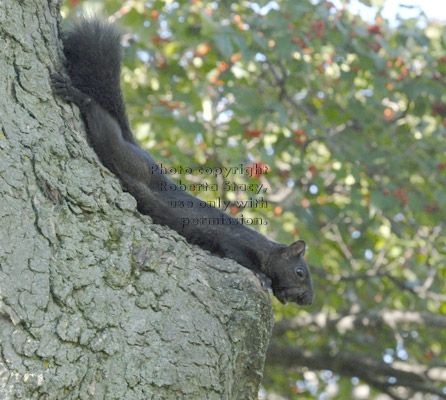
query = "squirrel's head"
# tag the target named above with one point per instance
(291, 278)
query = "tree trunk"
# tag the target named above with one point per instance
(95, 301)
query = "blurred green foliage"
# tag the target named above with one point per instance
(349, 117)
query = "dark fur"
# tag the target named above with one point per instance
(93, 53)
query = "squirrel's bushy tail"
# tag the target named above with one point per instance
(92, 48)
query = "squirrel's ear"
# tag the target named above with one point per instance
(295, 249)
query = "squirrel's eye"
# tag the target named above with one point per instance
(300, 272)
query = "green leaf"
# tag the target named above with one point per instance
(224, 45)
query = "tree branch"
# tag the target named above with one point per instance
(354, 320)
(419, 291)
(376, 373)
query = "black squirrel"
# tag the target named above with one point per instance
(93, 52)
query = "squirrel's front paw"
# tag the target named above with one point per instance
(265, 281)
(63, 88)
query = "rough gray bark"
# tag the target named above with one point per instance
(95, 301)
